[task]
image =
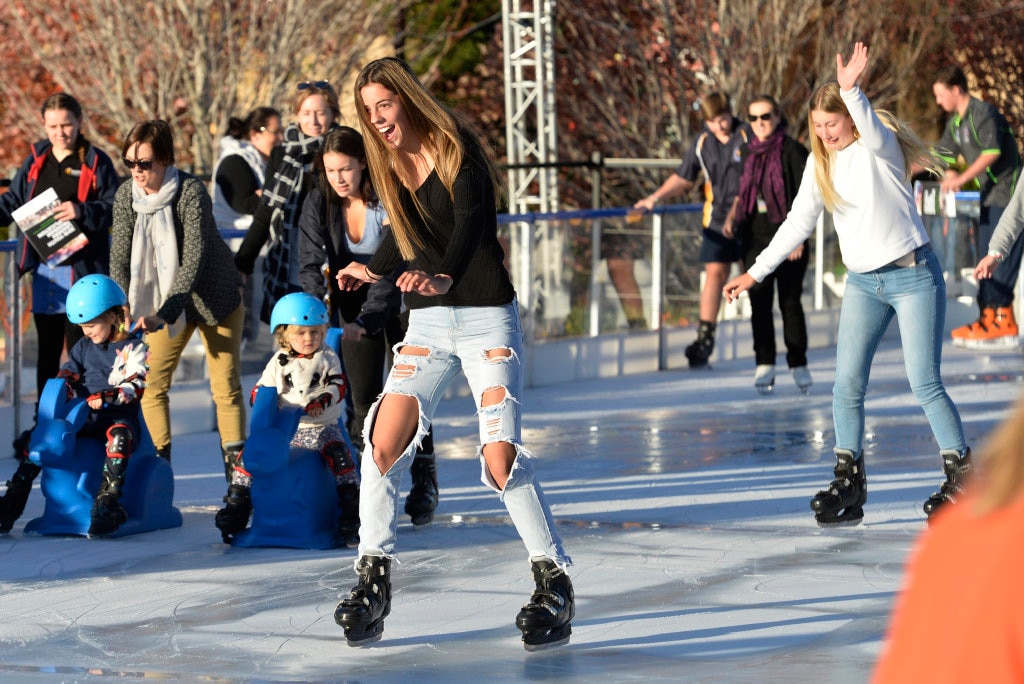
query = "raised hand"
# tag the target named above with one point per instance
(847, 74)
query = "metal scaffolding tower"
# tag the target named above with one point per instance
(528, 27)
(530, 103)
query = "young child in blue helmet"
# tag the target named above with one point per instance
(107, 368)
(307, 374)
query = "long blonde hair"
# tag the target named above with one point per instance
(440, 130)
(1001, 461)
(915, 152)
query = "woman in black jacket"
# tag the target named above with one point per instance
(773, 164)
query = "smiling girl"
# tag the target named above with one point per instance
(859, 170)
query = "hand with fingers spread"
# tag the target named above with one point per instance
(847, 74)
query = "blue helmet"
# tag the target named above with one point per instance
(298, 308)
(92, 296)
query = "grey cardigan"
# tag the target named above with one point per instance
(207, 286)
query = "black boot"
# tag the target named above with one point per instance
(699, 352)
(232, 453)
(164, 453)
(843, 501)
(546, 621)
(107, 512)
(12, 503)
(956, 468)
(348, 520)
(422, 499)
(362, 614)
(234, 517)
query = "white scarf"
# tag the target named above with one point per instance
(154, 248)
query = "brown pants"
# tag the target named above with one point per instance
(223, 360)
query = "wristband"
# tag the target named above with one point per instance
(995, 255)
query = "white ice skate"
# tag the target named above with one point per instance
(764, 378)
(802, 378)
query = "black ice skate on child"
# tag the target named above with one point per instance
(362, 614)
(234, 517)
(843, 502)
(699, 352)
(546, 621)
(107, 513)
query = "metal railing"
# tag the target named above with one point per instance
(560, 266)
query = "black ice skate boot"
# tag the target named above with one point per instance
(234, 517)
(422, 499)
(362, 614)
(107, 512)
(843, 502)
(12, 503)
(956, 468)
(699, 352)
(348, 520)
(546, 621)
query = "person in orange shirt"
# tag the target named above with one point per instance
(973, 553)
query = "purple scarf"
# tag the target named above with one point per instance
(762, 171)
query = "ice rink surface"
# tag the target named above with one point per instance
(682, 497)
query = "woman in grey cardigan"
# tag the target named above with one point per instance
(180, 276)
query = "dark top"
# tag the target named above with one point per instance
(91, 364)
(983, 129)
(238, 183)
(92, 186)
(460, 236)
(794, 159)
(207, 286)
(721, 165)
(319, 243)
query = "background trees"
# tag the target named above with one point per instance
(193, 62)
(630, 73)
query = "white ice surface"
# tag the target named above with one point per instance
(682, 497)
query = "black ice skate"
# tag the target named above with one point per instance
(107, 516)
(362, 614)
(956, 468)
(843, 502)
(234, 517)
(348, 520)
(12, 503)
(699, 352)
(546, 621)
(422, 499)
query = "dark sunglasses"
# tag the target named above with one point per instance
(143, 165)
(310, 85)
(761, 117)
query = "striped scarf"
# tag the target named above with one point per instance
(284, 193)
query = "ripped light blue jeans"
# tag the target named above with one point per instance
(916, 296)
(459, 339)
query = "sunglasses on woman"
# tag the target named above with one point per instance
(760, 117)
(143, 165)
(310, 85)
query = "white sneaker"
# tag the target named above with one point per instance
(802, 378)
(764, 378)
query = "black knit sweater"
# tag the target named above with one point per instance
(460, 234)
